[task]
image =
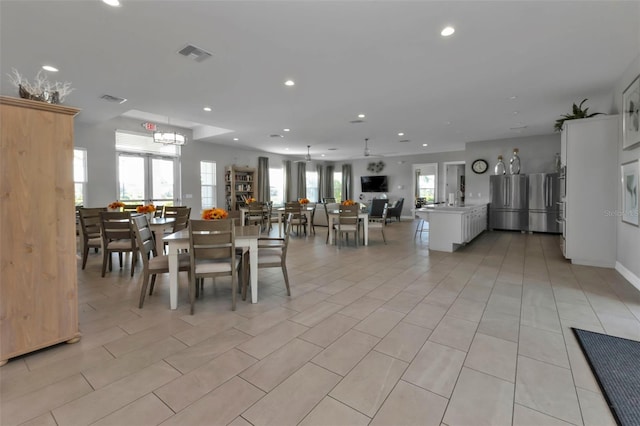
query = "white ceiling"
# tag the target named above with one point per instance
(385, 59)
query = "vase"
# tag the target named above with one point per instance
(500, 168)
(514, 163)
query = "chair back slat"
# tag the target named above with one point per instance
(144, 237)
(90, 221)
(212, 239)
(116, 226)
(349, 214)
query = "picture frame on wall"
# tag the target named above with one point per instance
(630, 191)
(631, 115)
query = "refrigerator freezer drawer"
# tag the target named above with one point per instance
(513, 220)
(544, 222)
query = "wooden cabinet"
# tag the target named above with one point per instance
(240, 184)
(38, 282)
(590, 153)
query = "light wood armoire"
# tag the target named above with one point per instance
(38, 281)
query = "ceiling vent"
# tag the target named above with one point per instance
(276, 136)
(114, 99)
(405, 140)
(358, 121)
(195, 53)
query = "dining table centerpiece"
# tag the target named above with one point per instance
(348, 203)
(250, 200)
(214, 214)
(149, 210)
(303, 201)
(116, 206)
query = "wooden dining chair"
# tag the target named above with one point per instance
(348, 222)
(213, 254)
(272, 253)
(297, 218)
(117, 237)
(90, 228)
(379, 222)
(153, 263)
(255, 214)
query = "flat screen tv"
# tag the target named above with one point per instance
(374, 183)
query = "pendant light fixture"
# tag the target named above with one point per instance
(308, 157)
(366, 147)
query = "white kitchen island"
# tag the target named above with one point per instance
(453, 226)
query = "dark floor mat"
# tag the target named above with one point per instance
(616, 364)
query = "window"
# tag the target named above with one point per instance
(80, 175)
(427, 187)
(337, 186)
(276, 186)
(148, 172)
(208, 184)
(312, 186)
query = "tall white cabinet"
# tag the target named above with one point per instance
(589, 150)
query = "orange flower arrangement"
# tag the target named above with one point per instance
(116, 205)
(303, 201)
(149, 208)
(250, 200)
(214, 213)
(348, 203)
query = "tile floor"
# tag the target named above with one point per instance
(383, 335)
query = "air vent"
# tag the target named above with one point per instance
(405, 140)
(195, 53)
(114, 99)
(332, 149)
(356, 121)
(276, 136)
(518, 128)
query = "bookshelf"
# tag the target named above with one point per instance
(240, 184)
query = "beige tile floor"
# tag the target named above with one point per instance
(384, 335)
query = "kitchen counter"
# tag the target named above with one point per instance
(450, 227)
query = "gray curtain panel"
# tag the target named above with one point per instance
(288, 181)
(328, 181)
(302, 180)
(321, 183)
(417, 184)
(264, 191)
(347, 182)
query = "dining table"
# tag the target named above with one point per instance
(362, 215)
(245, 236)
(159, 225)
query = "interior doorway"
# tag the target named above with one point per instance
(454, 180)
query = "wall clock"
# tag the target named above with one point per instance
(479, 166)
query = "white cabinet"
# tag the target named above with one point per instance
(451, 227)
(589, 150)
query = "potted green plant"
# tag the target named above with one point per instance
(578, 112)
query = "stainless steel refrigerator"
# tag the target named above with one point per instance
(544, 199)
(509, 202)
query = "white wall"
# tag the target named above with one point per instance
(537, 155)
(628, 250)
(99, 141)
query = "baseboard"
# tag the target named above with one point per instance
(629, 276)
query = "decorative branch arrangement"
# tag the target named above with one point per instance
(41, 89)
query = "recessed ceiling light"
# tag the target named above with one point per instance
(113, 3)
(289, 83)
(287, 130)
(447, 31)
(400, 134)
(236, 139)
(49, 68)
(425, 144)
(515, 113)
(513, 97)
(286, 149)
(208, 109)
(447, 123)
(321, 155)
(361, 115)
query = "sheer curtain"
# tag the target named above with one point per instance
(264, 192)
(288, 181)
(302, 180)
(321, 182)
(347, 182)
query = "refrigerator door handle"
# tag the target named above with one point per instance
(507, 192)
(547, 191)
